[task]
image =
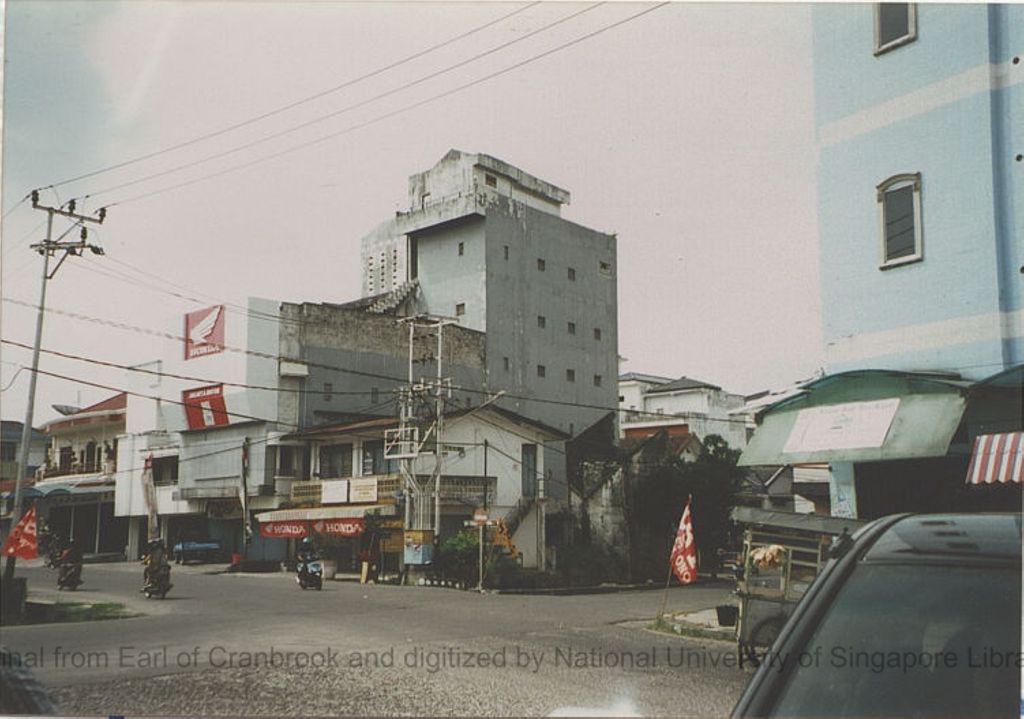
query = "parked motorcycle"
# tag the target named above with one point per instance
(158, 582)
(69, 575)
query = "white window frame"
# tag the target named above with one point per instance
(897, 182)
(900, 41)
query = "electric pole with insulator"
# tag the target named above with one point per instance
(47, 248)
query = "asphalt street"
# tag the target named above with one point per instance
(255, 644)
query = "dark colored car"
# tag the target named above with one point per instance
(200, 550)
(914, 616)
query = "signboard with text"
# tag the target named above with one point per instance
(850, 425)
(283, 529)
(340, 527)
(204, 332)
(334, 491)
(362, 491)
(205, 407)
(298, 528)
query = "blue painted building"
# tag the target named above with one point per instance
(919, 113)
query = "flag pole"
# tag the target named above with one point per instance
(668, 578)
(668, 581)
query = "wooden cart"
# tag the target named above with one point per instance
(782, 554)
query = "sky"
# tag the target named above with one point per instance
(687, 131)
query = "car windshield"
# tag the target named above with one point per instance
(912, 641)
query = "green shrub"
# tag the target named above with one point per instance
(458, 558)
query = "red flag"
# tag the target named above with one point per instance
(683, 559)
(21, 542)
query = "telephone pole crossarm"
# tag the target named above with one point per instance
(47, 248)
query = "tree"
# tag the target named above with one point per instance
(659, 491)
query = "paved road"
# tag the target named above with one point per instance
(256, 644)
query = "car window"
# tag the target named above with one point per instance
(912, 641)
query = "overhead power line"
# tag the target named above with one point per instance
(173, 375)
(360, 373)
(291, 105)
(388, 115)
(335, 113)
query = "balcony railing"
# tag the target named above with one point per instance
(107, 466)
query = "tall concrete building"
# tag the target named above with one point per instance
(485, 243)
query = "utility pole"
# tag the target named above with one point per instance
(47, 248)
(406, 443)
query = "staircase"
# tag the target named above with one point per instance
(508, 525)
(387, 303)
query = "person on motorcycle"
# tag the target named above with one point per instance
(155, 560)
(69, 561)
(307, 552)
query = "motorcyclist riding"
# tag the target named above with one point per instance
(309, 573)
(69, 563)
(307, 552)
(157, 574)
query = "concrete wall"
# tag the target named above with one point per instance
(518, 293)
(448, 279)
(605, 506)
(213, 457)
(943, 105)
(359, 352)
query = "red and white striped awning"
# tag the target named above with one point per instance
(997, 458)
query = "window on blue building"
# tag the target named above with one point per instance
(895, 25)
(899, 207)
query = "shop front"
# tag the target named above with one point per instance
(345, 536)
(893, 441)
(83, 510)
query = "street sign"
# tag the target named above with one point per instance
(479, 515)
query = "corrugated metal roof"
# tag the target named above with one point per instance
(682, 384)
(866, 415)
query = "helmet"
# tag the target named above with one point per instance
(307, 543)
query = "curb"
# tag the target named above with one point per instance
(606, 588)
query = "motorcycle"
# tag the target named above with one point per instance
(310, 574)
(158, 583)
(69, 575)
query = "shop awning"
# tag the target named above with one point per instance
(810, 523)
(997, 458)
(862, 416)
(315, 513)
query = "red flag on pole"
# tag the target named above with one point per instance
(683, 559)
(21, 542)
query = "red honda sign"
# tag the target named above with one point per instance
(204, 332)
(341, 527)
(284, 528)
(205, 407)
(297, 528)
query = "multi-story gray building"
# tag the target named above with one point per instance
(485, 243)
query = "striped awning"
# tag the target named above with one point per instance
(997, 458)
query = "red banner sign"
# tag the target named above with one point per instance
(340, 527)
(298, 528)
(284, 529)
(204, 332)
(205, 407)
